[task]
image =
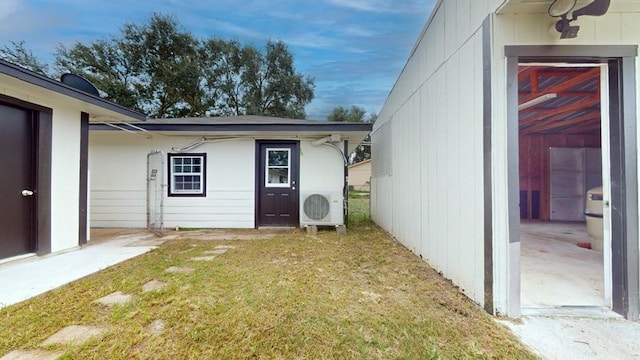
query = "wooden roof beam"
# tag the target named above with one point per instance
(562, 87)
(550, 125)
(558, 112)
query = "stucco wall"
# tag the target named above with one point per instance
(65, 162)
(65, 178)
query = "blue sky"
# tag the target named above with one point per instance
(354, 49)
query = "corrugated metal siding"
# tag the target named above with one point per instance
(432, 201)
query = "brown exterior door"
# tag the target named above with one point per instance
(17, 185)
(277, 183)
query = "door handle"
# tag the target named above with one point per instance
(26, 193)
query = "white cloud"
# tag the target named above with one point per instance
(238, 30)
(385, 6)
(8, 9)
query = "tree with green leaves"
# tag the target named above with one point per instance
(17, 53)
(352, 114)
(109, 64)
(153, 67)
(273, 88)
(246, 81)
(355, 114)
(163, 70)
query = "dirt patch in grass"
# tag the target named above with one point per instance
(360, 295)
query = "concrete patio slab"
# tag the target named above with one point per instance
(23, 279)
(74, 335)
(221, 235)
(32, 355)
(579, 338)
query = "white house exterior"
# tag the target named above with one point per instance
(360, 175)
(454, 110)
(43, 146)
(251, 172)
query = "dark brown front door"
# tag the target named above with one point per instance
(277, 183)
(17, 200)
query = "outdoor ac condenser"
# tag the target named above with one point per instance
(322, 208)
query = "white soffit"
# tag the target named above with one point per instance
(542, 6)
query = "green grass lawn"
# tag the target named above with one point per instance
(358, 208)
(355, 296)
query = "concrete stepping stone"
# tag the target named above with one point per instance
(156, 327)
(32, 355)
(203, 258)
(153, 285)
(116, 298)
(179, 270)
(215, 252)
(74, 335)
(227, 247)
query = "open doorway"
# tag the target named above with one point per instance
(562, 121)
(618, 137)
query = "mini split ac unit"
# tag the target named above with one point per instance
(322, 208)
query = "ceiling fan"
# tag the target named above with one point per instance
(562, 8)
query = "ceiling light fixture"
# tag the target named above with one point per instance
(537, 101)
(562, 8)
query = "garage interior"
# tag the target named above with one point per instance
(559, 162)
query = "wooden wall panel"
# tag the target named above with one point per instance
(534, 167)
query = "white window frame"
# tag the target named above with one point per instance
(173, 174)
(267, 167)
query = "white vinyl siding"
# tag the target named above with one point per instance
(120, 201)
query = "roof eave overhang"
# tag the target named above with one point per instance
(41, 81)
(248, 128)
(542, 6)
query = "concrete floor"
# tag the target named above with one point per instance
(555, 272)
(562, 295)
(31, 276)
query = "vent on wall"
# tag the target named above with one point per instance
(322, 209)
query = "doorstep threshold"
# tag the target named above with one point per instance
(571, 311)
(16, 258)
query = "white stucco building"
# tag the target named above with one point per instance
(43, 142)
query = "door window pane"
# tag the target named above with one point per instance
(277, 172)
